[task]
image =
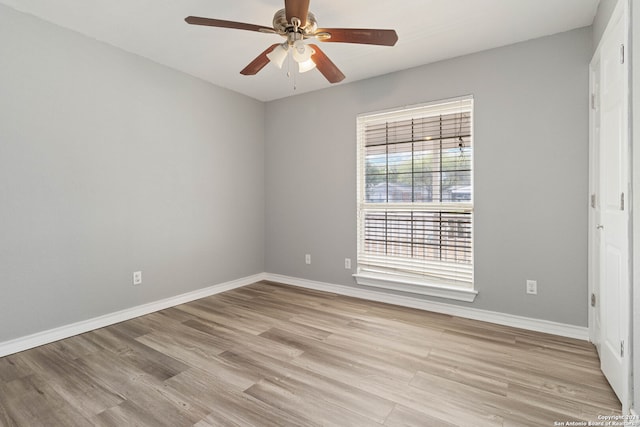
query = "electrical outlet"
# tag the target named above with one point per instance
(347, 263)
(137, 277)
(532, 287)
(307, 259)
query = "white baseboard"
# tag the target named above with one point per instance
(51, 335)
(537, 325)
(46, 337)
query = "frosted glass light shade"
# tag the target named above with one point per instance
(278, 55)
(301, 52)
(307, 65)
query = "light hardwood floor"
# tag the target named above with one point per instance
(274, 355)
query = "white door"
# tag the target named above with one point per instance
(614, 283)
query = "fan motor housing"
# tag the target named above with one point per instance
(283, 27)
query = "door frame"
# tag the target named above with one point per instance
(593, 245)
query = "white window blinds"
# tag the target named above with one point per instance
(415, 193)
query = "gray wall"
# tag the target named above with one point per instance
(110, 163)
(531, 142)
(605, 9)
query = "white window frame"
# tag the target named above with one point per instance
(367, 274)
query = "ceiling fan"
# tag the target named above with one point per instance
(296, 24)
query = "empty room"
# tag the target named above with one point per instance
(319, 213)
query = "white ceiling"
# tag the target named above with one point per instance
(428, 31)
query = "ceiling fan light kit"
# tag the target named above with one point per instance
(297, 24)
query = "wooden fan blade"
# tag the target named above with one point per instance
(358, 35)
(196, 20)
(325, 66)
(297, 9)
(258, 63)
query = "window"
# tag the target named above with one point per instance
(415, 199)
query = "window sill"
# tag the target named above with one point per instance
(414, 286)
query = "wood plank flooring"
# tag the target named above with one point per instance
(273, 355)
